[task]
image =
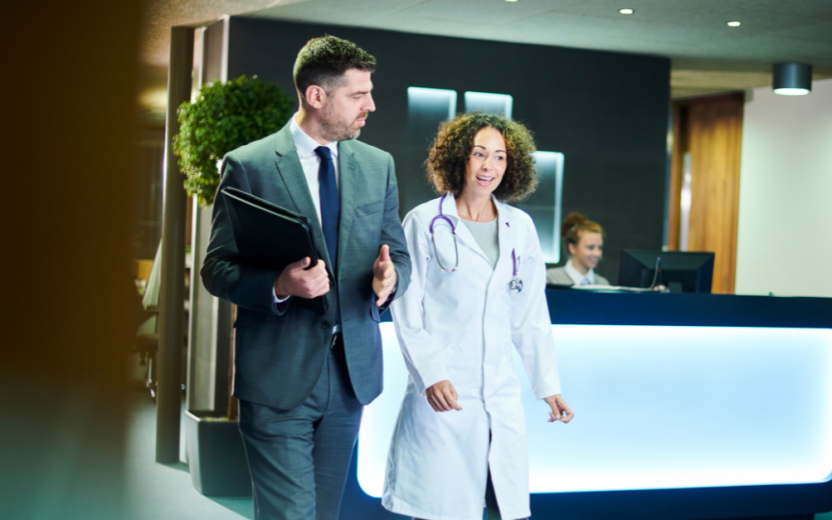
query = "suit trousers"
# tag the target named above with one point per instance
(299, 458)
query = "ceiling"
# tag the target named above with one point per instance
(707, 55)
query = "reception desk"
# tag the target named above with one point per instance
(688, 406)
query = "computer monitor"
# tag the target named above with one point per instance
(680, 271)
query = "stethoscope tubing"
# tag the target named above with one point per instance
(515, 284)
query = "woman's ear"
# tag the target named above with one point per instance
(572, 248)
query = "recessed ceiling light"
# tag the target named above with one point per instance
(791, 91)
(626, 11)
(511, 0)
(733, 24)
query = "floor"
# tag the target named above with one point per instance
(160, 491)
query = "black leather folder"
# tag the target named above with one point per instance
(271, 237)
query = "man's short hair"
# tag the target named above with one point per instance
(323, 62)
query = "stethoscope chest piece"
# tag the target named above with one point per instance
(516, 284)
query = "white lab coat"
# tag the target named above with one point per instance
(462, 326)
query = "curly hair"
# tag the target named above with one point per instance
(448, 159)
(323, 62)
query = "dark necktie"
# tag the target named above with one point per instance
(330, 211)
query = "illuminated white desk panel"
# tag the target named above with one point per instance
(659, 408)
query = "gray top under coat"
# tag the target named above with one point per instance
(485, 233)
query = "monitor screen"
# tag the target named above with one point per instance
(679, 271)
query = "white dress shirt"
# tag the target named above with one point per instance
(577, 277)
(310, 162)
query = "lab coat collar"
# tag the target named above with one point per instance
(449, 208)
(465, 236)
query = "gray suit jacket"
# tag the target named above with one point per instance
(279, 357)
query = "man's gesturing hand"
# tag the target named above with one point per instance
(384, 276)
(442, 397)
(295, 280)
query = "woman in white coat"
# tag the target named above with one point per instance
(476, 292)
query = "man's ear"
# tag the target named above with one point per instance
(315, 96)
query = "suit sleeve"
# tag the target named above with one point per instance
(531, 327)
(225, 277)
(392, 234)
(422, 355)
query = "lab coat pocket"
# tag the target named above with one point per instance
(450, 349)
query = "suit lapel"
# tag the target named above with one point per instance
(348, 171)
(291, 173)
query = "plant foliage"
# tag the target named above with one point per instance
(224, 117)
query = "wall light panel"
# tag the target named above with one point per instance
(497, 103)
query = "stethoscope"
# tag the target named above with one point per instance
(516, 284)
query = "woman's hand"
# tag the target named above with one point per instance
(442, 397)
(560, 410)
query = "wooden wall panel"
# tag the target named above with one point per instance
(676, 173)
(713, 131)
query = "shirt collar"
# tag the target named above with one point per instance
(305, 145)
(576, 275)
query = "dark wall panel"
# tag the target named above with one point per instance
(607, 112)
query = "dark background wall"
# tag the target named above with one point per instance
(606, 112)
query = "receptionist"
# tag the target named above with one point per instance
(584, 240)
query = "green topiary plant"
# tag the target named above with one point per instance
(225, 116)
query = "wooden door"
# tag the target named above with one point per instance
(710, 131)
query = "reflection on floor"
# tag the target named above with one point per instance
(161, 492)
(164, 492)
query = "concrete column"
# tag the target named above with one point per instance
(209, 337)
(172, 298)
(209, 329)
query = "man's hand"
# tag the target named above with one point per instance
(560, 410)
(295, 280)
(442, 397)
(384, 276)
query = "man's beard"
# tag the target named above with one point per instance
(335, 129)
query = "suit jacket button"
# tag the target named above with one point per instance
(325, 325)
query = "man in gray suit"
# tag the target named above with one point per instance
(302, 377)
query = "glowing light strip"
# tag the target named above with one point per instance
(659, 408)
(498, 103)
(550, 174)
(421, 99)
